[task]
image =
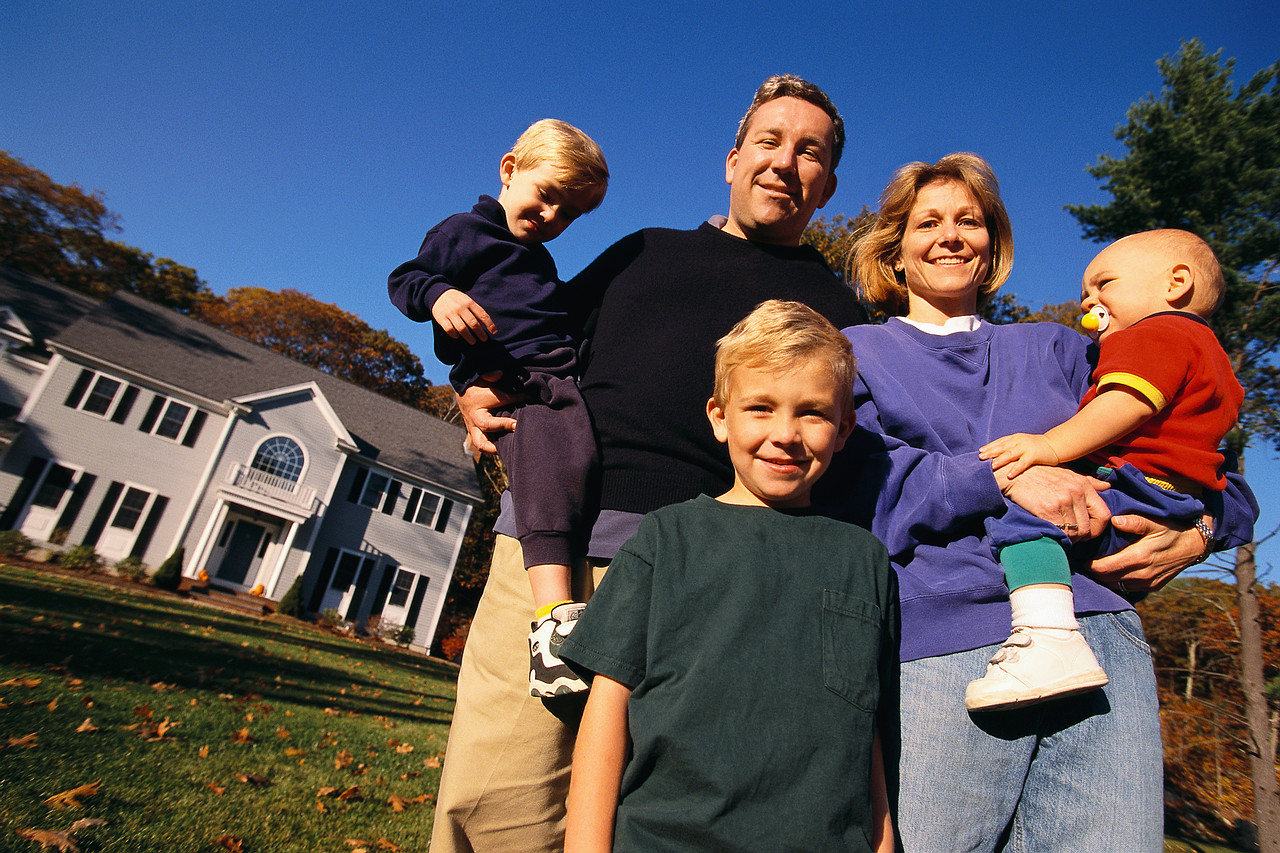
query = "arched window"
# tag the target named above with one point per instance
(281, 457)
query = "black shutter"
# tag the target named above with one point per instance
(384, 587)
(362, 581)
(77, 390)
(442, 521)
(19, 500)
(193, 431)
(393, 494)
(103, 515)
(76, 501)
(412, 506)
(411, 621)
(153, 412)
(322, 582)
(126, 403)
(357, 485)
(149, 526)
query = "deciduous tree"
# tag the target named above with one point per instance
(1202, 156)
(60, 232)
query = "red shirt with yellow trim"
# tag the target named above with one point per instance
(1173, 360)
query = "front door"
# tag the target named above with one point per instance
(242, 553)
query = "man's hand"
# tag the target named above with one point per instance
(475, 404)
(1019, 452)
(1152, 561)
(1063, 498)
(460, 316)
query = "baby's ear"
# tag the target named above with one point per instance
(1181, 285)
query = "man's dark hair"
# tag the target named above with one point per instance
(791, 86)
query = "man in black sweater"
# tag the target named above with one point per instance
(658, 301)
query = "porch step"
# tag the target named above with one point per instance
(209, 595)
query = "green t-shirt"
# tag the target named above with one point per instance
(754, 642)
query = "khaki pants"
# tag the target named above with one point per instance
(506, 769)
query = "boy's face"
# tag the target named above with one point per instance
(782, 430)
(537, 205)
(1129, 280)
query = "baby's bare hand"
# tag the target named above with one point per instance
(1018, 452)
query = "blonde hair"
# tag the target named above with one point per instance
(791, 86)
(1174, 245)
(880, 246)
(780, 337)
(578, 161)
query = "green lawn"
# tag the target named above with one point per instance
(262, 717)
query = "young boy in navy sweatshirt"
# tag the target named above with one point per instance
(497, 305)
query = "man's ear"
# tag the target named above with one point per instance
(828, 191)
(715, 414)
(730, 163)
(1180, 286)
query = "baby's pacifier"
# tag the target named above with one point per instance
(1096, 320)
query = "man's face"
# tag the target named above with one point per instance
(782, 173)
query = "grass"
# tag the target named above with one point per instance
(262, 715)
(273, 701)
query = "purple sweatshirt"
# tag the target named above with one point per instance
(929, 402)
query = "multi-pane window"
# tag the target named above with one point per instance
(130, 509)
(173, 420)
(102, 395)
(374, 488)
(55, 484)
(281, 457)
(401, 588)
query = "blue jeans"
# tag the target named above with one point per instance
(1077, 774)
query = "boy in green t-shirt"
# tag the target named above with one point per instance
(739, 643)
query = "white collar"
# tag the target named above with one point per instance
(967, 323)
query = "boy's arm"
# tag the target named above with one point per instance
(882, 836)
(598, 759)
(1107, 417)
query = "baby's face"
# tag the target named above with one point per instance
(1129, 281)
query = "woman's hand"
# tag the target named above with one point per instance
(1063, 498)
(475, 405)
(1156, 558)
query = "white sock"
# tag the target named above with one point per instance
(1044, 606)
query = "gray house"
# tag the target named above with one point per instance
(137, 431)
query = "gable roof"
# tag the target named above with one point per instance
(43, 307)
(154, 342)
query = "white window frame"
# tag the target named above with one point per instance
(182, 425)
(366, 491)
(98, 376)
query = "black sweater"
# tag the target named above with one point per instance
(665, 297)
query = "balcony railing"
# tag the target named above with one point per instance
(270, 485)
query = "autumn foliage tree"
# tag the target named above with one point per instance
(60, 232)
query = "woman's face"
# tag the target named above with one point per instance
(946, 253)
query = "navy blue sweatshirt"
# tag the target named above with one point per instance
(516, 283)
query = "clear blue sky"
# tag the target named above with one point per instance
(311, 145)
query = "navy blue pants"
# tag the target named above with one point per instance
(549, 458)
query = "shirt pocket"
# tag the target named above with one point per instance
(851, 648)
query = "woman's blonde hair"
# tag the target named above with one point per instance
(879, 248)
(783, 336)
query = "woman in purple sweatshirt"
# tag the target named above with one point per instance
(935, 384)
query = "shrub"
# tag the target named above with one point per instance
(14, 544)
(452, 645)
(329, 618)
(401, 635)
(291, 604)
(80, 558)
(169, 575)
(131, 568)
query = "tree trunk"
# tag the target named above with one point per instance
(1262, 767)
(1191, 669)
